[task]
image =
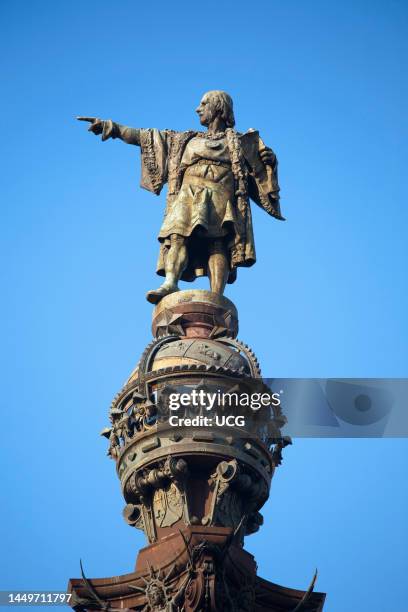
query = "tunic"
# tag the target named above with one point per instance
(204, 210)
(208, 192)
(205, 202)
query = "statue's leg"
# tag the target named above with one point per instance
(218, 266)
(175, 263)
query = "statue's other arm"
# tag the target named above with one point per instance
(110, 129)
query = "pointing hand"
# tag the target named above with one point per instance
(96, 124)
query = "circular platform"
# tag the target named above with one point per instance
(195, 313)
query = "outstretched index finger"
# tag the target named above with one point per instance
(90, 119)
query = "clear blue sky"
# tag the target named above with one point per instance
(326, 85)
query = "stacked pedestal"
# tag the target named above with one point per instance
(196, 491)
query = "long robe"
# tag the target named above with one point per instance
(203, 202)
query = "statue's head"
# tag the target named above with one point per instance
(156, 596)
(213, 104)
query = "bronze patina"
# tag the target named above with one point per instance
(211, 177)
(197, 490)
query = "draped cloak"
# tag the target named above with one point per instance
(204, 203)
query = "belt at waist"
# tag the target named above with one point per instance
(211, 162)
(205, 182)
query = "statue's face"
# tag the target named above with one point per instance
(205, 110)
(156, 596)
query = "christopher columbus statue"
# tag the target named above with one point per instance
(207, 226)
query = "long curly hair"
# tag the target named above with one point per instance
(222, 102)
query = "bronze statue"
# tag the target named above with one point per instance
(207, 227)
